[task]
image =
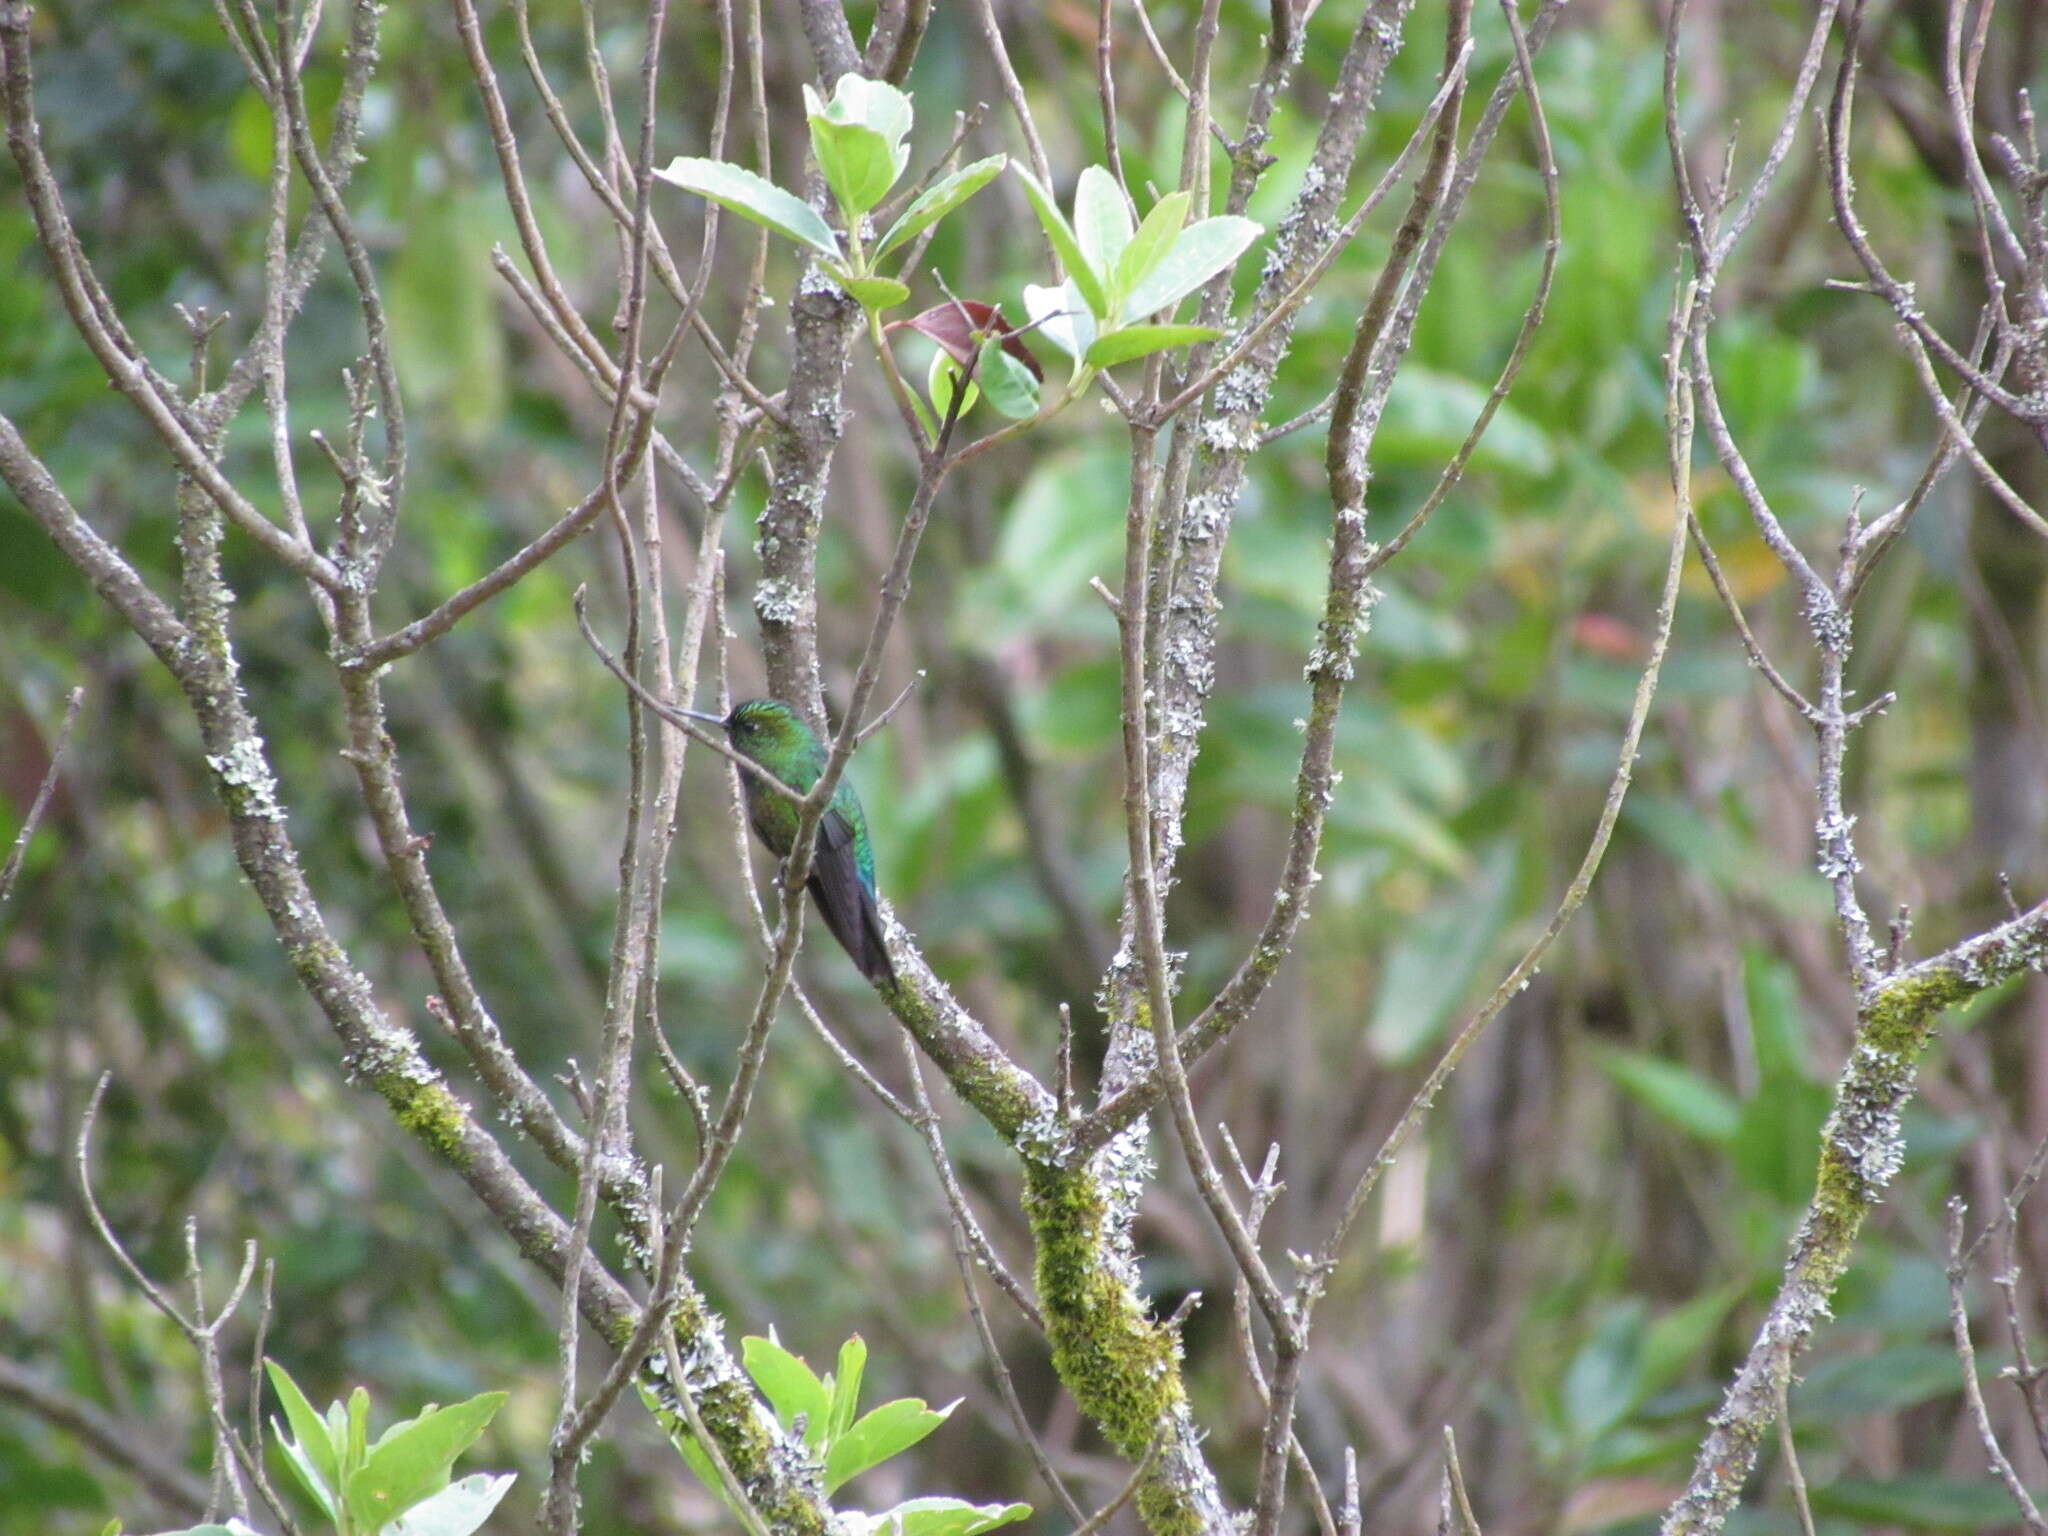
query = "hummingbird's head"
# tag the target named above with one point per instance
(765, 728)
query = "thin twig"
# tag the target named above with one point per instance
(966, 1256)
(1795, 1476)
(11, 871)
(1973, 1390)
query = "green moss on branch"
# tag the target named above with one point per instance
(1122, 1367)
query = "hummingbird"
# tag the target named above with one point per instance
(842, 879)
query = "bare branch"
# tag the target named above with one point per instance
(119, 1444)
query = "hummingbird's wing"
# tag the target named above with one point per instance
(845, 901)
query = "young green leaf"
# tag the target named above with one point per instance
(791, 1387)
(936, 201)
(319, 1454)
(876, 293)
(1065, 246)
(398, 1427)
(873, 104)
(329, 1499)
(1201, 251)
(941, 380)
(874, 1437)
(408, 1466)
(859, 166)
(1061, 316)
(456, 1510)
(1129, 341)
(358, 1443)
(336, 1419)
(946, 1517)
(755, 198)
(853, 1364)
(1155, 237)
(1008, 383)
(1102, 220)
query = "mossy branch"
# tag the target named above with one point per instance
(1122, 1367)
(1861, 1148)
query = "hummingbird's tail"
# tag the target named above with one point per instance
(849, 908)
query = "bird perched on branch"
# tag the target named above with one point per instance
(842, 878)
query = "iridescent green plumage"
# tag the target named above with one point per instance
(842, 878)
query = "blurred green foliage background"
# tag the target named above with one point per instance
(1568, 1266)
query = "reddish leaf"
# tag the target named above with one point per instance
(1605, 635)
(959, 325)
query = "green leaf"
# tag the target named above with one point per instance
(685, 1443)
(399, 1426)
(853, 1364)
(755, 198)
(1134, 341)
(1923, 1501)
(1604, 1379)
(1155, 237)
(336, 1419)
(1773, 1149)
(1064, 523)
(791, 1387)
(700, 1462)
(1429, 412)
(1675, 1094)
(111, 1528)
(1673, 1344)
(873, 104)
(409, 1465)
(318, 1449)
(945, 1517)
(941, 379)
(1777, 1023)
(1202, 250)
(1431, 969)
(1724, 854)
(1086, 280)
(875, 1437)
(1102, 220)
(1392, 816)
(936, 201)
(328, 1498)
(875, 293)
(858, 164)
(1061, 316)
(357, 1445)
(456, 1510)
(1008, 383)
(445, 321)
(1839, 1388)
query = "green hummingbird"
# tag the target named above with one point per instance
(842, 880)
